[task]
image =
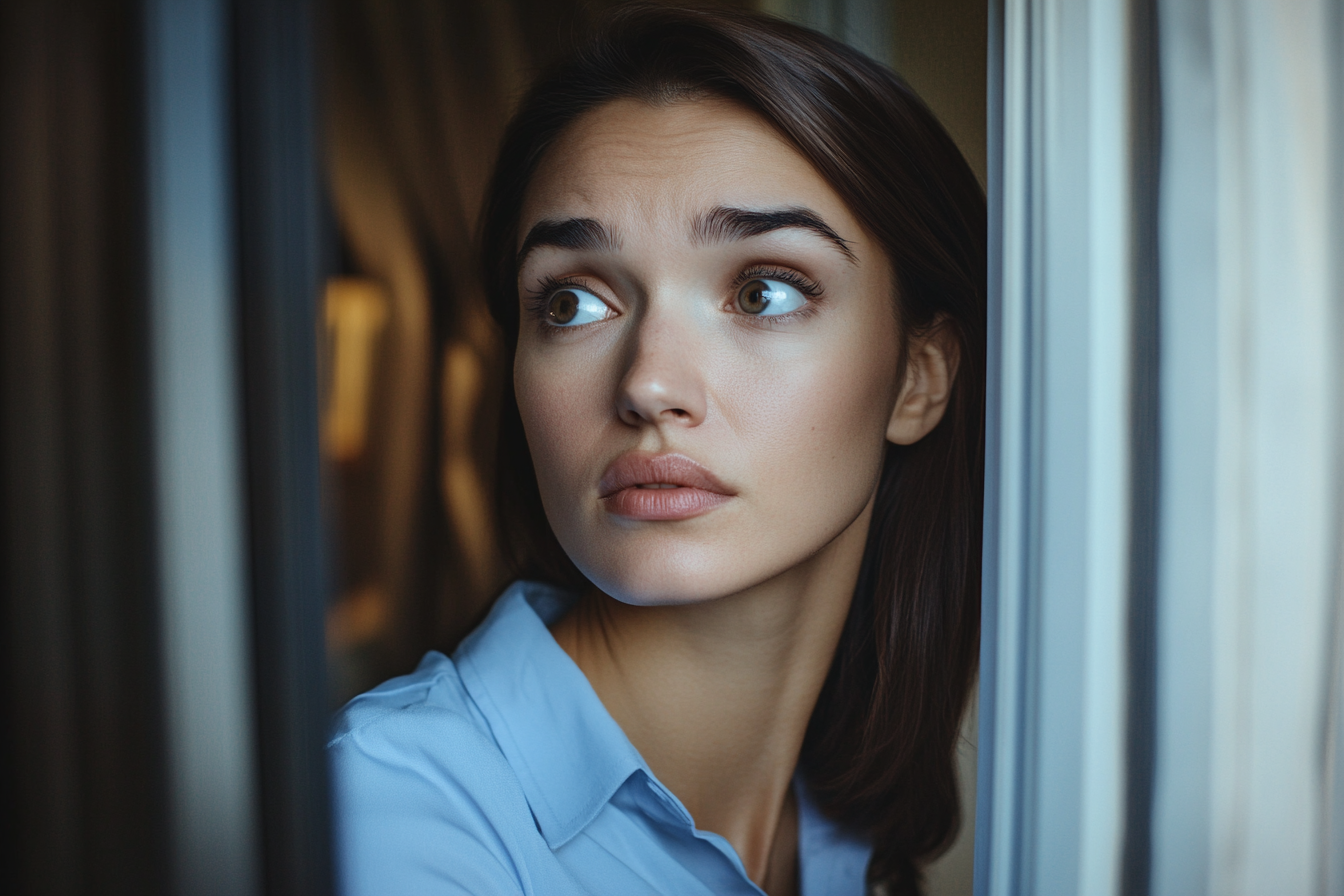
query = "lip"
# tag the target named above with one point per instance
(695, 490)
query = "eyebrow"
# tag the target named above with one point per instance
(579, 234)
(726, 224)
(722, 224)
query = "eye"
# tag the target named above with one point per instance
(571, 306)
(767, 298)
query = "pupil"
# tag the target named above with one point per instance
(564, 305)
(754, 297)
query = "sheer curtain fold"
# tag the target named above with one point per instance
(1163, 590)
(417, 97)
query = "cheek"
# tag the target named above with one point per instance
(561, 401)
(543, 404)
(816, 422)
(797, 423)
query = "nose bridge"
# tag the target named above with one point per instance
(662, 381)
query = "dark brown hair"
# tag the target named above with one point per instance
(880, 748)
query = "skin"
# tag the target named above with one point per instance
(711, 637)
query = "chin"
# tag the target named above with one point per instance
(671, 577)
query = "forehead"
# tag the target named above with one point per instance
(629, 160)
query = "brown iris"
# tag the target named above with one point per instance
(754, 296)
(562, 306)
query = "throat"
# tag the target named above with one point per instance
(716, 696)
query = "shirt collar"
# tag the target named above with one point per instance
(832, 858)
(568, 752)
(570, 755)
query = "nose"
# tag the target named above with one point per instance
(662, 385)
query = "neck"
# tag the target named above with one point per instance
(716, 695)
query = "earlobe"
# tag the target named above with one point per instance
(930, 370)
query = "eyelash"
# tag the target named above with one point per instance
(535, 301)
(549, 285)
(810, 288)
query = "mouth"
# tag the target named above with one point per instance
(654, 487)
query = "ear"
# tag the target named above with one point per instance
(930, 370)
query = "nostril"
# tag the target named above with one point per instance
(659, 394)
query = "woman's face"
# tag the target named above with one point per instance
(707, 361)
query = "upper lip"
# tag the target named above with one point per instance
(642, 468)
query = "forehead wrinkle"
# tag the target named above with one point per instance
(724, 224)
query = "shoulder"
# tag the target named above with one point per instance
(423, 799)
(425, 724)
(435, 683)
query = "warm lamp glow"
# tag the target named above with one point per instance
(356, 311)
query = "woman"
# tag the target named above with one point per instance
(743, 272)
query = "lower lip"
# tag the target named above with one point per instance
(663, 503)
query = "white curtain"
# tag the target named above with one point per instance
(1249, 591)
(1161, 652)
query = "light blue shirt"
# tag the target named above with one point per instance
(499, 771)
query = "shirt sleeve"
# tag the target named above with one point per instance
(423, 803)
